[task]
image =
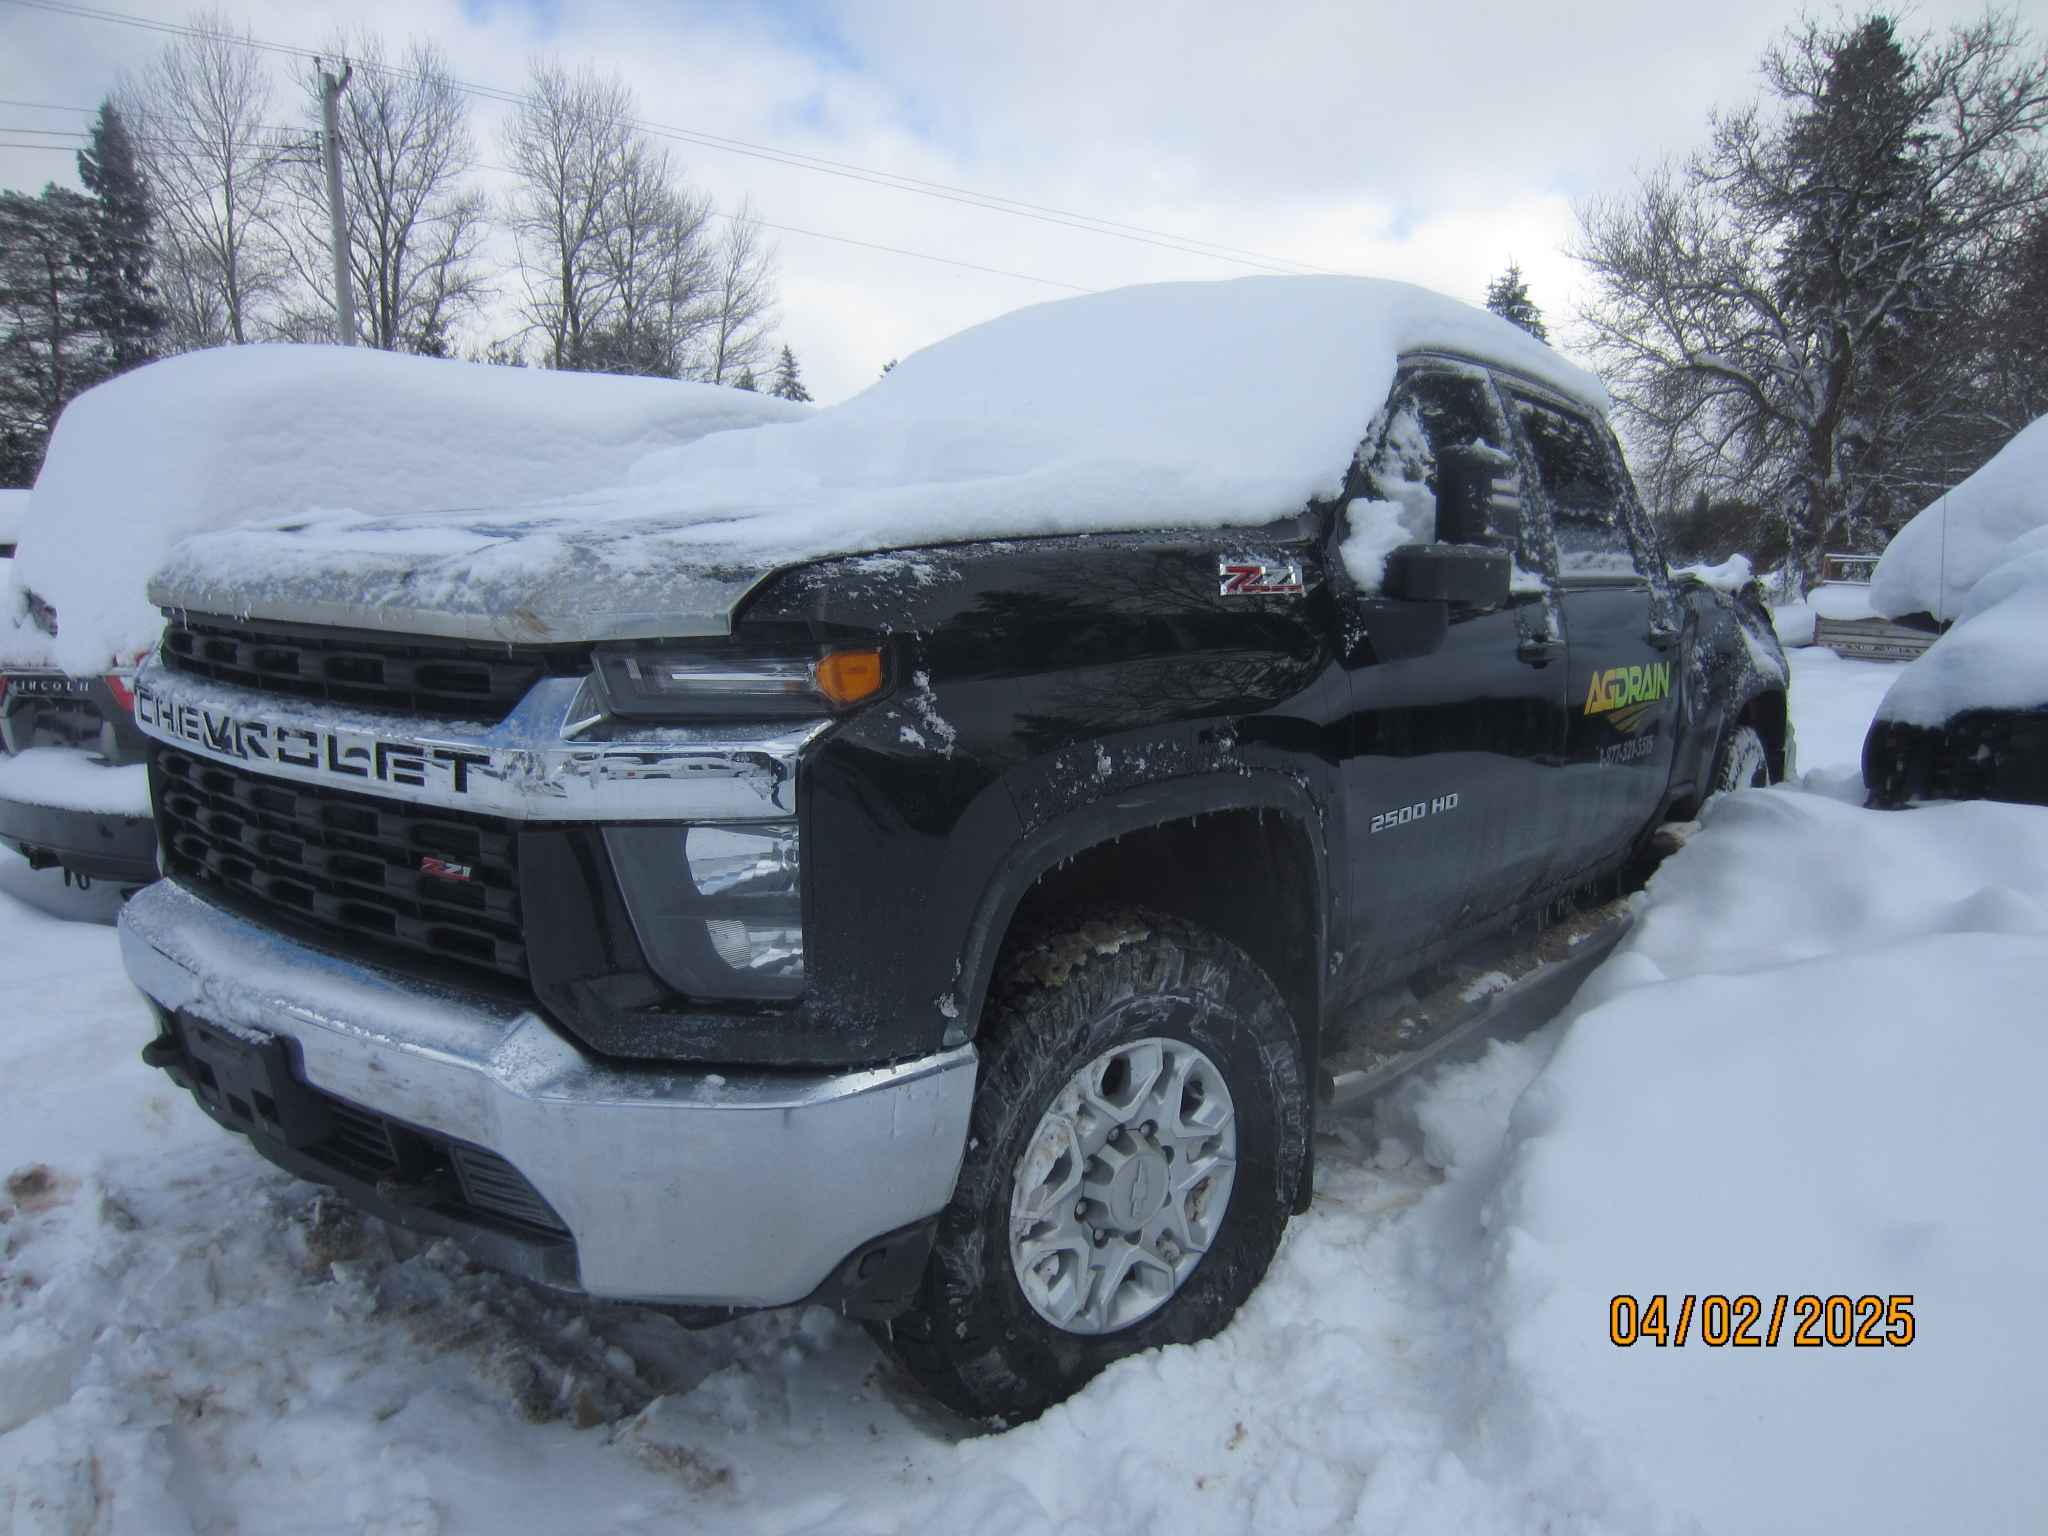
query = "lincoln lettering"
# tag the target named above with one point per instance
(344, 754)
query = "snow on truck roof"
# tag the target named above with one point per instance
(1167, 406)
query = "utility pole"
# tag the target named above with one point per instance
(337, 209)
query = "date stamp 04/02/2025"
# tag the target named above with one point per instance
(1757, 1322)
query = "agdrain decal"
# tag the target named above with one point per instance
(1629, 695)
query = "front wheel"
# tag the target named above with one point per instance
(1137, 1139)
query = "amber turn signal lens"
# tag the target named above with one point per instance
(847, 677)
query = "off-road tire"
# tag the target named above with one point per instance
(1743, 762)
(972, 1338)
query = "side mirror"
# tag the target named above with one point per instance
(1464, 492)
(1473, 575)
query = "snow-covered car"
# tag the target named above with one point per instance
(142, 461)
(1969, 719)
(73, 791)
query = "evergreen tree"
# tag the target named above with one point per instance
(789, 384)
(48, 347)
(1508, 297)
(747, 381)
(1794, 316)
(121, 297)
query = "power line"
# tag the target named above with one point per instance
(1016, 208)
(897, 250)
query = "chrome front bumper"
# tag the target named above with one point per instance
(743, 1189)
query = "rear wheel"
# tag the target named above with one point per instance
(1137, 1140)
(1743, 761)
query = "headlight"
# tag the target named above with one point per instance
(718, 909)
(671, 685)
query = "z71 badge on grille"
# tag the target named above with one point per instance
(1246, 576)
(446, 869)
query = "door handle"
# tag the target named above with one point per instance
(1539, 652)
(1662, 638)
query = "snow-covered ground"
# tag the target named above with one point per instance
(1814, 1068)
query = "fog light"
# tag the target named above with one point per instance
(718, 910)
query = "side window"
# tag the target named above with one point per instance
(1587, 505)
(1431, 412)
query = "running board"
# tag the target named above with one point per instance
(1528, 1002)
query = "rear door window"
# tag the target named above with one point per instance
(1579, 480)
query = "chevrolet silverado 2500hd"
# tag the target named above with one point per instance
(956, 935)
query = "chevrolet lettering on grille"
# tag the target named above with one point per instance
(345, 754)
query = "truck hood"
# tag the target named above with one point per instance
(541, 578)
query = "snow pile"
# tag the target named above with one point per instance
(1802, 1074)
(1195, 405)
(1833, 699)
(74, 781)
(1936, 558)
(1996, 654)
(281, 433)
(13, 515)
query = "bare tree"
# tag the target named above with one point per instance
(1777, 316)
(200, 116)
(570, 145)
(658, 265)
(414, 225)
(743, 299)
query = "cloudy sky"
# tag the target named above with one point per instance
(1433, 144)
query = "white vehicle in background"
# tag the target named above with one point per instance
(73, 791)
(1969, 719)
(75, 620)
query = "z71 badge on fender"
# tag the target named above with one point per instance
(1246, 576)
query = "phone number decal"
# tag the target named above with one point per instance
(1756, 1322)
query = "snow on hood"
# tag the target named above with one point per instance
(212, 439)
(1177, 405)
(1937, 557)
(1731, 575)
(1996, 654)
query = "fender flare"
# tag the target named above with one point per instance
(1085, 827)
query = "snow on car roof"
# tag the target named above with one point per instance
(1176, 405)
(1936, 558)
(1996, 654)
(282, 432)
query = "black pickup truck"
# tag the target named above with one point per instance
(957, 937)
